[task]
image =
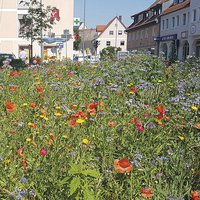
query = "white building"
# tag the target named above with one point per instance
(10, 14)
(180, 29)
(194, 28)
(112, 34)
(174, 25)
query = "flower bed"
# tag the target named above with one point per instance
(122, 130)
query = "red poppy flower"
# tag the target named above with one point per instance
(111, 123)
(40, 89)
(51, 135)
(123, 165)
(133, 90)
(33, 105)
(43, 152)
(134, 120)
(146, 192)
(197, 126)
(10, 106)
(195, 195)
(20, 152)
(161, 111)
(69, 74)
(93, 105)
(72, 123)
(13, 88)
(24, 165)
(12, 74)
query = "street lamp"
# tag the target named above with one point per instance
(84, 4)
(41, 37)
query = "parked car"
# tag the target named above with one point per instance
(7, 56)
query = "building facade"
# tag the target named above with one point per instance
(174, 37)
(113, 34)
(146, 27)
(10, 42)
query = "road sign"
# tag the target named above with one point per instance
(76, 21)
(60, 44)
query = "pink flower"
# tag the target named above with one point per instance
(43, 152)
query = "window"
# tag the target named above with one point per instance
(111, 32)
(120, 32)
(122, 43)
(194, 15)
(107, 43)
(173, 22)
(163, 24)
(167, 23)
(177, 20)
(184, 19)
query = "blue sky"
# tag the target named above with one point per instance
(100, 12)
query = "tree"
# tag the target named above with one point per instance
(77, 39)
(109, 52)
(37, 20)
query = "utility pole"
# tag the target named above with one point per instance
(84, 30)
(41, 45)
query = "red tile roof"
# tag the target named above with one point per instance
(176, 7)
(100, 28)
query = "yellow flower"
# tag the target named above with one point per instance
(94, 66)
(57, 107)
(46, 118)
(68, 111)
(25, 104)
(36, 115)
(30, 123)
(181, 138)
(41, 116)
(58, 114)
(38, 83)
(86, 141)
(194, 108)
(80, 121)
(7, 161)
(65, 136)
(130, 84)
(28, 139)
(160, 81)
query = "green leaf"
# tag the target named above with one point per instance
(63, 181)
(74, 185)
(75, 169)
(91, 172)
(88, 194)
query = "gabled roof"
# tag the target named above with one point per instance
(176, 7)
(109, 23)
(157, 2)
(148, 20)
(100, 28)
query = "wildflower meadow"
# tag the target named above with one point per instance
(119, 130)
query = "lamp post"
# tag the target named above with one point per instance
(84, 4)
(41, 37)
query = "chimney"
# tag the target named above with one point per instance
(120, 18)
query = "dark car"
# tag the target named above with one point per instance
(7, 56)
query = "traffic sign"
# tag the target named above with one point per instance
(60, 44)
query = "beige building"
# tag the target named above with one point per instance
(10, 14)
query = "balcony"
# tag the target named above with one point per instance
(21, 6)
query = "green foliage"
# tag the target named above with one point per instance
(109, 53)
(78, 40)
(37, 20)
(72, 121)
(17, 64)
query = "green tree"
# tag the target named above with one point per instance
(109, 53)
(77, 40)
(35, 22)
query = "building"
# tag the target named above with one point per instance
(88, 36)
(113, 34)
(10, 42)
(145, 28)
(174, 37)
(194, 28)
